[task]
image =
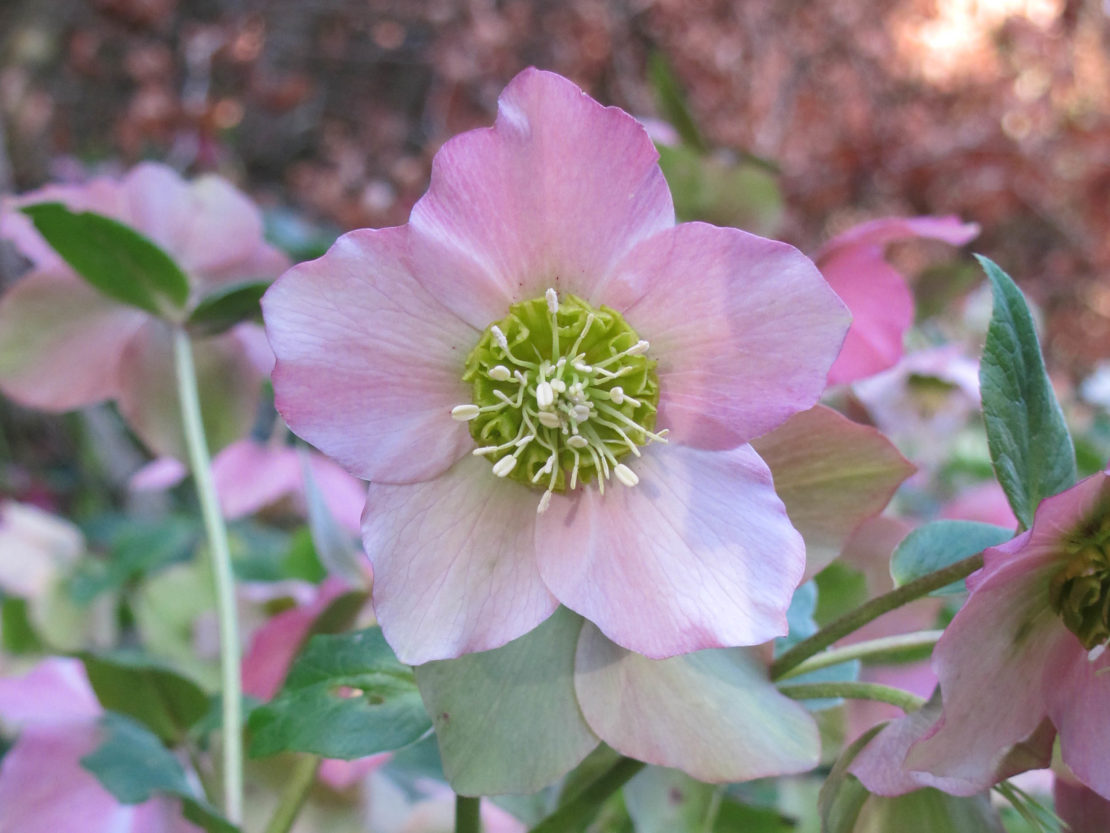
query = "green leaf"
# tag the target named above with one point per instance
(114, 258)
(668, 801)
(347, 696)
(671, 101)
(939, 544)
(1029, 443)
(17, 634)
(134, 766)
(800, 620)
(508, 720)
(226, 307)
(149, 691)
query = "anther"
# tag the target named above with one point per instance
(465, 413)
(558, 385)
(503, 466)
(577, 441)
(548, 419)
(638, 349)
(500, 338)
(616, 394)
(580, 412)
(500, 373)
(625, 475)
(552, 300)
(545, 395)
(545, 501)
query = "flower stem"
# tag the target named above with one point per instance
(903, 647)
(904, 700)
(468, 818)
(574, 815)
(230, 683)
(856, 619)
(294, 795)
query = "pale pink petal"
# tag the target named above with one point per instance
(275, 644)
(44, 788)
(880, 301)
(36, 549)
(342, 775)
(61, 342)
(1079, 697)
(344, 495)
(712, 714)
(699, 555)
(249, 476)
(253, 342)
(985, 502)
(158, 475)
(990, 663)
(229, 381)
(454, 564)
(1082, 809)
(55, 690)
(369, 364)
(743, 328)
(551, 196)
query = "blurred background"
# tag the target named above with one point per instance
(796, 118)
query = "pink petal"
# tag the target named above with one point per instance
(985, 502)
(344, 495)
(275, 644)
(551, 196)
(36, 550)
(880, 301)
(249, 476)
(158, 475)
(1082, 809)
(369, 364)
(61, 342)
(229, 381)
(712, 714)
(44, 788)
(342, 775)
(55, 690)
(454, 569)
(990, 663)
(1078, 696)
(699, 555)
(744, 330)
(832, 474)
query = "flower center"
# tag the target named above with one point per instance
(562, 392)
(1080, 592)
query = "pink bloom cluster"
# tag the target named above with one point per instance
(560, 205)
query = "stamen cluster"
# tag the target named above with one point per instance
(562, 392)
(1080, 592)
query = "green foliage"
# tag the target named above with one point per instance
(115, 259)
(133, 765)
(135, 547)
(670, 98)
(142, 688)
(800, 618)
(347, 696)
(939, 544)
(667, 801)
(226, 307)
(1029, 443)
(17, 634)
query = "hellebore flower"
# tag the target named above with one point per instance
(1024, 655)
(43, 787)
(551, 386)
(64, 345)
(880, 301)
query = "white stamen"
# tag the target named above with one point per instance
(464, 413)
(625, 475)
(581, 367)
(545, 501)
(485, 449)
(523, 441)
(500, 373)
(558, 385)
(616, 393)
(638, 349)
(545, 395)
(1095, 652)
(577, 441)
(499, 337)
(503, 466)
(552, 300)
(548, 419)
(580, 412)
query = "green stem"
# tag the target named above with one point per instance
(576, 813)
(904, 700)
(224, 580)
(856, 619)
(468, 814)
(887, 649)
(294, 795)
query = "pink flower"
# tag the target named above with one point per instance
(64, 345)
(43, 787)
(420, 355)
(1023, 657)
(880, 301)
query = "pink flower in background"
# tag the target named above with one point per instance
(880, 301)
(551, 386)
(64, 345)
(43, 787)
(35, 549)
(1025, 654)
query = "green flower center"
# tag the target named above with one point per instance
(1080, 592)
(562, 393)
